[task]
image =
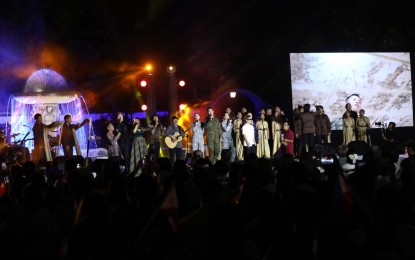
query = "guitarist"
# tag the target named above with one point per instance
(174, 131)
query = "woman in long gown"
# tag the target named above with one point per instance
(276, 132)
(262, 149)
(363, 126)
(237, 126)
(139, 147)
(348, 129)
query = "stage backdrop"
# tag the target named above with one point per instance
(379, 83)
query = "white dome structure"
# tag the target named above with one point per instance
(46, 92)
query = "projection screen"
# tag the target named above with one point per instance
(379, 83)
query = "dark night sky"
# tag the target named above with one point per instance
(99, 46)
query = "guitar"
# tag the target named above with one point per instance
(171, 141)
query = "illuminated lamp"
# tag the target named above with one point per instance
(171, 69)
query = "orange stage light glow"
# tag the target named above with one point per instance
(90, 97)
(184, 117)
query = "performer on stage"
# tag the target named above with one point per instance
(248, 133)
(348, 129)
(232, 116)
(41, 149)
(156, 130)
(268, 117)
(237, 128)
(363, 127)
(3, 141)
(277, 123)
(139, 146)
(68, 136)
(112, 148)
(352, 113)
(388, 137)
(288, 139)
(197, 127)
(3, 146)
(323, 126)
(230, 113)
(124, 140)
(263, 135)
(213, 135)
(298, 131)
(227, 140)
(174, 131)
(308, 129)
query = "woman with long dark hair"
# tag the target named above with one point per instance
(139, 148)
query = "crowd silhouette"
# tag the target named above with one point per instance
(259, 208)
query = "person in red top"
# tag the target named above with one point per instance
(288, 139)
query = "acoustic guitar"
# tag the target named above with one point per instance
(169, 140)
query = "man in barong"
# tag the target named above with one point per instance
(68, 136)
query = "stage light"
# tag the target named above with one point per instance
(182, 83)
(144, 107)
(182, 106)
(232, 94)
(149, 67)
(171, 69)
(143, 83)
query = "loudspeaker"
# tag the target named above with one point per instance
(358, 147)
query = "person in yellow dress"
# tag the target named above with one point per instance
(348, 129)
(277, 123)
(237, 126)
(363, 127)
(262, 149)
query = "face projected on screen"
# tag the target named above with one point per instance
(355, 101)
